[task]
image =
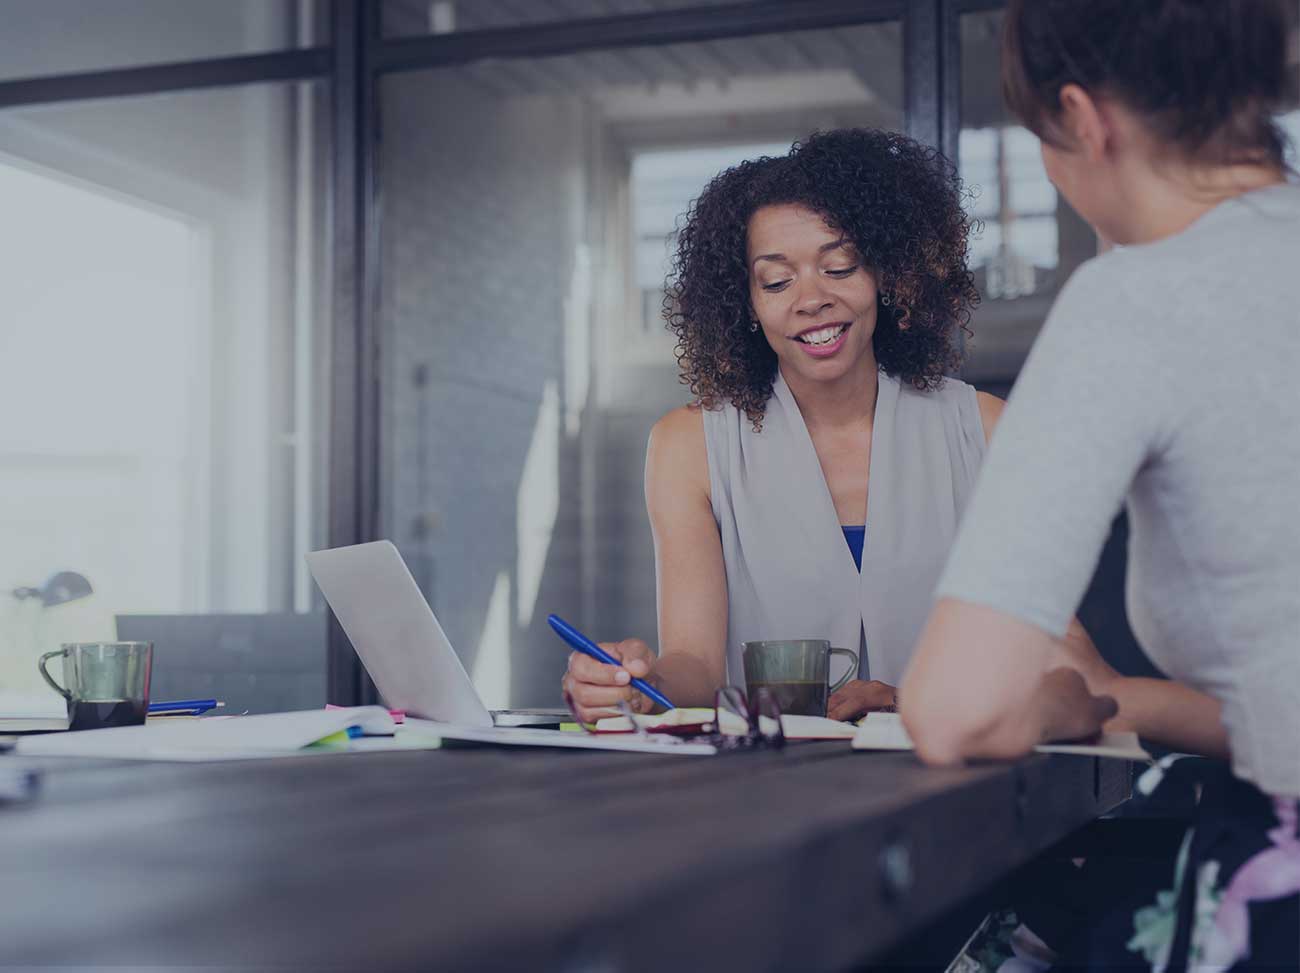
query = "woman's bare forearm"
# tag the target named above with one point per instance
(685, 679)
(1171, 714)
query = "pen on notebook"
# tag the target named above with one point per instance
(586, 646)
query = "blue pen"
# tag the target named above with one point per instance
(586, 646)
(184, 706)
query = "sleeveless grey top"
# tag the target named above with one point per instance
(790, 573)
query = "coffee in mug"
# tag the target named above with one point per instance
(796, 672)
(105, 683)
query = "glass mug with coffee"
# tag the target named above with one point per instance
(796, 672)
(105, 683)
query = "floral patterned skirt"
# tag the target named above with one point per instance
(1227, 899)
(1234, 900)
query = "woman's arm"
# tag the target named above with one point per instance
(1171, 714)
(1166, 712)
(691, 582)
(690, 577)
(1160, 710)
(986, 684)
(1084, 421)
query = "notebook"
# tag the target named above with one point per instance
(532, 737)
(795, 727)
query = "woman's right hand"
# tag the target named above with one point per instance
(595, 688)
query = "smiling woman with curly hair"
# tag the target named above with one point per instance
(818, 299)
(894, 200)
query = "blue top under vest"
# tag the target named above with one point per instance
(855, 536)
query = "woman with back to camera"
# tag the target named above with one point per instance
(817, 299)
(1165, 377)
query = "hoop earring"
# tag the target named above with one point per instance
(885, 299)
(753, 324)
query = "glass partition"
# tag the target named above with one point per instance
(529, 206)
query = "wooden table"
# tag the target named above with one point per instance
(811, 858)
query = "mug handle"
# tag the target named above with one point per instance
(843, 680)
(50, 679)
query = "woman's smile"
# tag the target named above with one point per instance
(824, 340)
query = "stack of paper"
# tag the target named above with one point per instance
(211, 738)
(323, 731)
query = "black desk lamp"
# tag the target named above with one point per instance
(63, 587)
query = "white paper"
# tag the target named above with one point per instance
(209, 738)
(816, 728)
(881, 731)
(885, 731)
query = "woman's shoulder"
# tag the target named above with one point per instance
(677, 439)
(677, 454)
(990, 407)
(684, 423)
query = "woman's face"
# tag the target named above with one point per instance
(812, 295)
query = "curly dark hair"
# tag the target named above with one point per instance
(898, 201)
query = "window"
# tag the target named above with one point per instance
(1031, 239)
(48, 37)
(1016, 250)
(163, 356)
(664, 183)
(106, 362)
(412, 17)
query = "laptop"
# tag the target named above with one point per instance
(400, 641)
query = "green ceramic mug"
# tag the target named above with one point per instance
(796, 672)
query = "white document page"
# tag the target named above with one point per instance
(209, 738)
(881, 731)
